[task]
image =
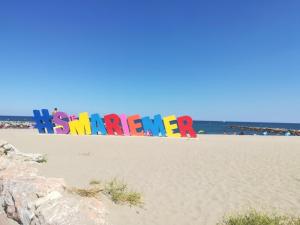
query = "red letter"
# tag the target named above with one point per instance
(113, 124)
(185, 124)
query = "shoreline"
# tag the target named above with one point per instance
(206, 127)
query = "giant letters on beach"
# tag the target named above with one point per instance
(81, 126)
(124, 123)
(113, 124)
(154, 127)
(61, 120)
(97, 125)
(185, 124)
(43, 121)
(171, 127)
(134, 124)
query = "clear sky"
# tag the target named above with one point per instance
(214, 60)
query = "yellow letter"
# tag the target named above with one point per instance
(170, 127)
(81, 126)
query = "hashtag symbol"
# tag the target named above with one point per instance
(43, 122)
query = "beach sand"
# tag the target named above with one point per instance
(183, 181)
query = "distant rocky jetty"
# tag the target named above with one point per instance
(16, 125)
(30, 199)
(280, 131)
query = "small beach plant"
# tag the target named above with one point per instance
(95, 182)
(42, 160)
(91, 192)
(116, 190)
(119, 193)
(259, 218)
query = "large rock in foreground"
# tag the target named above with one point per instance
(30, 199)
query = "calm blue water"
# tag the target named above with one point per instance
(218, 127)
(210, 127)
(16, 118)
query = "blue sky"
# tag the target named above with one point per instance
(213, 60)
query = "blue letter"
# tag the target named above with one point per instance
(97, 124)
(156, 126)
(43, 121)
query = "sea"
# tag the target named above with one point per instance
(207, 127)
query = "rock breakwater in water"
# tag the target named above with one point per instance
(30, 199)
(15, 125)
(280, 131)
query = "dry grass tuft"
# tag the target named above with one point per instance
(42, 160)
(95, 182)
(258, 218)
(117, 191)
(93, 192)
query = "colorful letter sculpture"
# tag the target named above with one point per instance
(113, 124)
(43, 121)
(81, 126)
(97, 125)
(135, 125)
(171, 126)
(155, 127)
(61, 120)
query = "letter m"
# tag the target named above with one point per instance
(155, 127)
(81, 126)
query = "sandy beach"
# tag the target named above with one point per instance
(183, 181)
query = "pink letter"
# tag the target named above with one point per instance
(123, 118)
